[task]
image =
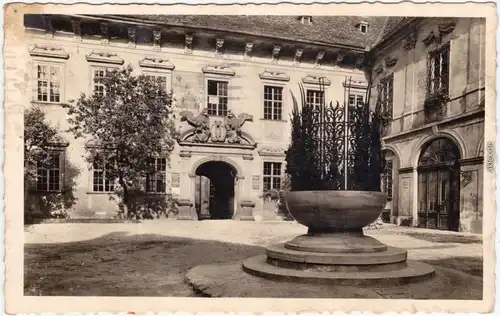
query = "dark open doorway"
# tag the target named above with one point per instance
(214, 197)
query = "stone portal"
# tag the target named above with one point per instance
(215, 190)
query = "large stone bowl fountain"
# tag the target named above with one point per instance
(335, 250)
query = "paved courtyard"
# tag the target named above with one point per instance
(153, 257)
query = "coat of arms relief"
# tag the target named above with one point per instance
(226, 130)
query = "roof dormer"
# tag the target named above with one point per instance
(305, 19)
(362, 27)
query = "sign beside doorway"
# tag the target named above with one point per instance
(255, 182)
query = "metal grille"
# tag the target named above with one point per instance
(334, 147)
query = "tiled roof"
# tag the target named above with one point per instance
(328, 30)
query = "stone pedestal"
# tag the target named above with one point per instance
(247, 207)
(185, 210)
(335, 250)
(347, 258)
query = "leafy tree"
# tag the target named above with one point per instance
(39, 136)
(128, 124)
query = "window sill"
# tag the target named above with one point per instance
(271, 120)
(47, 103)
(155, 193)
(100, 193)
(45, 192)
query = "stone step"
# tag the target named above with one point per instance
(336, 243)
(413, 272)
(391, 255)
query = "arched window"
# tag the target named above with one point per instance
(438, 185)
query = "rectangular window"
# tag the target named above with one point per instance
(272, 176)
(439, 70)
(386, 94)
(48, 83)
(49, 173)
(356, 99)
(102, 180)
(155, 182)
(217, 97)
(161, 80)
(98, 75)
(315, 98)
(273, 103)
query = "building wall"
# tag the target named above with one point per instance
(463, 121)
(188, 82)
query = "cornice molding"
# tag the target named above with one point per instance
(274, 75)
(159, 63)
(271, 152)
(48, 51)
(360, 84)
(218, 70)
(104, 57)
(311, 79)
(471, 161)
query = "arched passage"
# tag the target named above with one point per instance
(215, 190)
(439, 185)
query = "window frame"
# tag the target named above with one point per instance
(312, 89)
(356, 93)
(93, 67)
(272, 86)
(446, 48)
(38, 61)
(60, 169)
(218, 80)
(163, 73)
(386, 106)
(273, 178)
(105, 181)
(157, 173)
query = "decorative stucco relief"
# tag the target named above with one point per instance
(411, 41)
(311, 79)
(248, 50)
(153, 62)
(390, 61)
(105, 57)
(270, 151)
(226, 131)
(218, 70)
(274, 75)
(360, 84)
(48, 51)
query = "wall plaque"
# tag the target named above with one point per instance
(255, 182)
(176, 180)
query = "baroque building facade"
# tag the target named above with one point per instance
(233, 77)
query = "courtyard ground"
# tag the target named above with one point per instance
(152, 258)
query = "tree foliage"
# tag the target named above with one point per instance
(127, 125)
(40, 139)
(39, 136)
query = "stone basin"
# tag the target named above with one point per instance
(335, 211)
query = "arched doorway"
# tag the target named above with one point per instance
(215, 190)
(439, 185)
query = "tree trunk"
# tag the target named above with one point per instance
(125, 197)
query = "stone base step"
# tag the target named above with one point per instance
(391, 255)
(336, 243)
(413, 272)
